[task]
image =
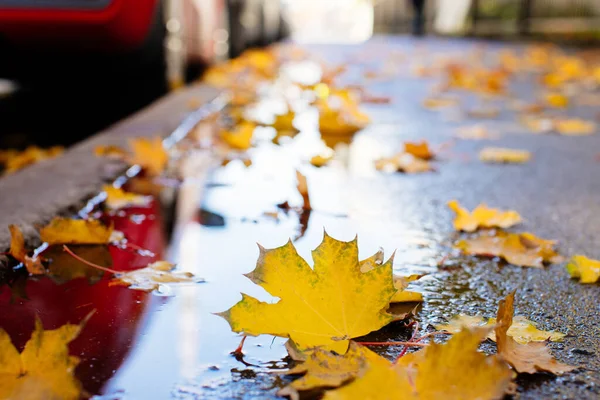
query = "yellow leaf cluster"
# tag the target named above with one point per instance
(15, 160)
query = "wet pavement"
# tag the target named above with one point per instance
(171, 345)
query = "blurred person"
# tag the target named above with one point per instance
(418, 28)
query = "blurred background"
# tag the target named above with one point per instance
(72, 67)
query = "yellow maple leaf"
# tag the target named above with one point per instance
(419, 149)
(339, 114)
(574, 127)
(455, 370)
(325, 306)
(557, 100)
(482, 217)
(17, 249)
(522, 330)
(76, 231)
(523, 249)
(44, 370)
(117, 198)
(524, 358)
(586, 269)
(504, 155)
(151, 277)
(240, 138)
(150, 154)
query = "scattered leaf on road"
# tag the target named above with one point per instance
(475, 132)
(117, 198)
(557, 100)
(150, 154)
(523, 249)
(586, 269)
(76, 231)
(240, 138)
(504, 155)
(575, 127)
(522, 330)
(325, 306)
(524, 358)
(403, 162)
(482, 217)
(419, 149)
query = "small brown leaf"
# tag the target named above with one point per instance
(524, 358)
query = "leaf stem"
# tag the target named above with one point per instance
(86, 262)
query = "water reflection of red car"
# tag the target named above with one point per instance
(119, 311)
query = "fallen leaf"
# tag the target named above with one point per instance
(475, 132)
(117, 198)
(285, 122)
(14, 161)
(320, 306)
(151, 277)
(321, 160)
(455, 370)
(324, 369)
(557, 100)
(17, 249)
(523, 249)
(76, 231)
(524, 358)
(240, 138)
(150, 154)
(44, 370)
(110, 151)
(504, 155)
(574, 127)
(419, 149)
(403, 162)
(482, 217)
(522, 330)
(586, 269)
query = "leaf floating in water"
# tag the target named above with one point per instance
(575, 127)
(44, 369)
(117, 198)
(319, 306)
(151, 277)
